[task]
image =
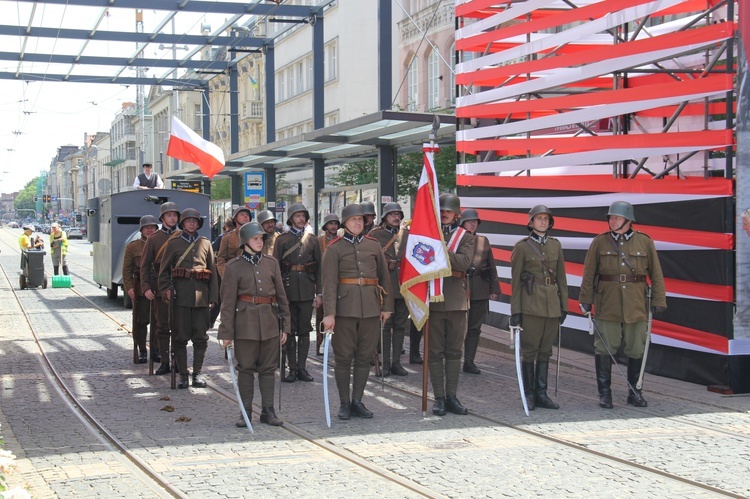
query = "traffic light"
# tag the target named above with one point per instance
(36, 199)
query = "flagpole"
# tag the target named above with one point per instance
(425, 368)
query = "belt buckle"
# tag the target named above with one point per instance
(255, 300)
(623, 278)
(360, 281)
(547, 281)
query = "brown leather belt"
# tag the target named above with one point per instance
(457, 274)
(186, 273)
(258, 300)
(362, 281)
(544, 280)
(622, 278)
(298, 268)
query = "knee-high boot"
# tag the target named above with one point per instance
(604, 380)
(540, 398)
(343, 375)
(245, 383)
(398, 345)
(437, 376)
(268, 413)
(634, 372)
(529, 385)
(415, 337)
(164, 368)
(470, 351)
(385, 350)
(291, 358)
(199, 353)
(180, 358)
(303, 349)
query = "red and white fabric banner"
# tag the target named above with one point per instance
(186, 145)
(425, 261)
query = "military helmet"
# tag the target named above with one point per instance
(147, 220)
(240, 209)
(265, 216)
(390, 208)
(470, 214)
(296, 208)
(190, 213)
(538, 209)
(351, 210)
(250, 230)
(368, 207)
(450, 202)
(331, 217)
(622, 209)
(167, 207)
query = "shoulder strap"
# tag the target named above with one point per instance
(164, 246)
(293, 248)
(622, 255)
(390, 243)
(545, 262)
(182, 257)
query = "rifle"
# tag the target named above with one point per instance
(172, 336)
(134, 328)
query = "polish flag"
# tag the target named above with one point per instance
(425, 261)
(186, 145)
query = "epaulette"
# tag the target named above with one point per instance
(271, 257)
(642, 233)
(334, 241)
(368, 236)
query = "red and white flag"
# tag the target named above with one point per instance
(186, 145)
(425, 260)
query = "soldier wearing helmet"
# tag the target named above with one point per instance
(230, 243)
(356, 298)
(298, 253)
(539, 302)
(253, 300)
(188, 271)
(448, 319)
(329, 229)
(483, 287)
(131, 276)
(393, 240)
(267, 221)
(614, 280)
(369, 209)
(169, 216)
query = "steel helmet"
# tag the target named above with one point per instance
(167, 207)
(450, 202)
(622, 209)
(296, 208)
(351, 210)
(470, 214)
(147, 220)
(250, 230)
(390, 208)
(331, 217)
(190, 213)
(240, 209)
(538, 209)
(264, 216)
(368, 207)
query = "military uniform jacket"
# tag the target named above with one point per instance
(325, 241)
(242, 320)
(393, 254)
(300, 285)
(269, 243)
(189, 292)
(131, 265)
(545, 300)
(626, 301)
(346, 260)
(228, 249)
(455, 288)
(149, 273)
(483, 281)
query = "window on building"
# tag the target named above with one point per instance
(413, 86)
(198, 118)
(330, 62)
(433, 81)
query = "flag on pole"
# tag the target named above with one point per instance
(186, 145)
(425, 261)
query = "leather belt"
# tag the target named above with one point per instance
(459, 275)
(544, 280)
(186, 273)
(622, 278)
(258, 300)
(362, 281)
(298, 268)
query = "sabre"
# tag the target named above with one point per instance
(281, 349)
(639, 384)
(515, 343)
(559, 344)
(326, 343)
(135, 327)
(230, 361)
(173, 335)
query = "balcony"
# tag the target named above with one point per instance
(252, 110)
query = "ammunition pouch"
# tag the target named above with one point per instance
(527, 279)
(392, 265)
(486, 274)
(197, 274)
(311, 267)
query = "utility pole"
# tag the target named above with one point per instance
(140, 97)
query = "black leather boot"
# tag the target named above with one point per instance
(453, 405)
(303, 349)
(415, 337)
(634, 372)
(527, 373)
(604, 380)
(438, 408)
(184, 381)
(291, 358)
(470, 351)
(164, 368)
(345, 411)
(56, 269)
(540, 396)
(397, 369)
(268, 416)
(359, 410)
(198, 380)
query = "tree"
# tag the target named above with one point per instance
(25, 198)
(221, 189)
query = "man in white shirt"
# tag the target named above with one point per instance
(148, 179)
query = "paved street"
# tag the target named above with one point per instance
(686, 430)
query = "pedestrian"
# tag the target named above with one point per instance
(448, 319)
(169, 216)
(228, 227)
(25, 243)
(267, 221)
(483, 287)
(148, 179)
(58, 245)
(357, 301)
(131, 283)
(187, 281)
(370, 215)
(230, 243)
(393, 240)
(539, 302)
(298, 254)
(253, 300)
(330, 228)
(614, 281)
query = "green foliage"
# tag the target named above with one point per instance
(25, 198)
(221, 189)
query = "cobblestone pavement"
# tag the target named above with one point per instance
(685, 430)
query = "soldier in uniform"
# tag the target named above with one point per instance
(131, 276)
(356, 299)
(230, 243)
(169, 215)
(539, 302)
(267, 221)
(483, 287)
(393, 241)
(253, 298)
(298, 253)
(188, 271)
(448, 319)
(369, 209)
(614, 280)
(330, 228)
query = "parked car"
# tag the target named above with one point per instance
(13, 225)
(75, 233)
